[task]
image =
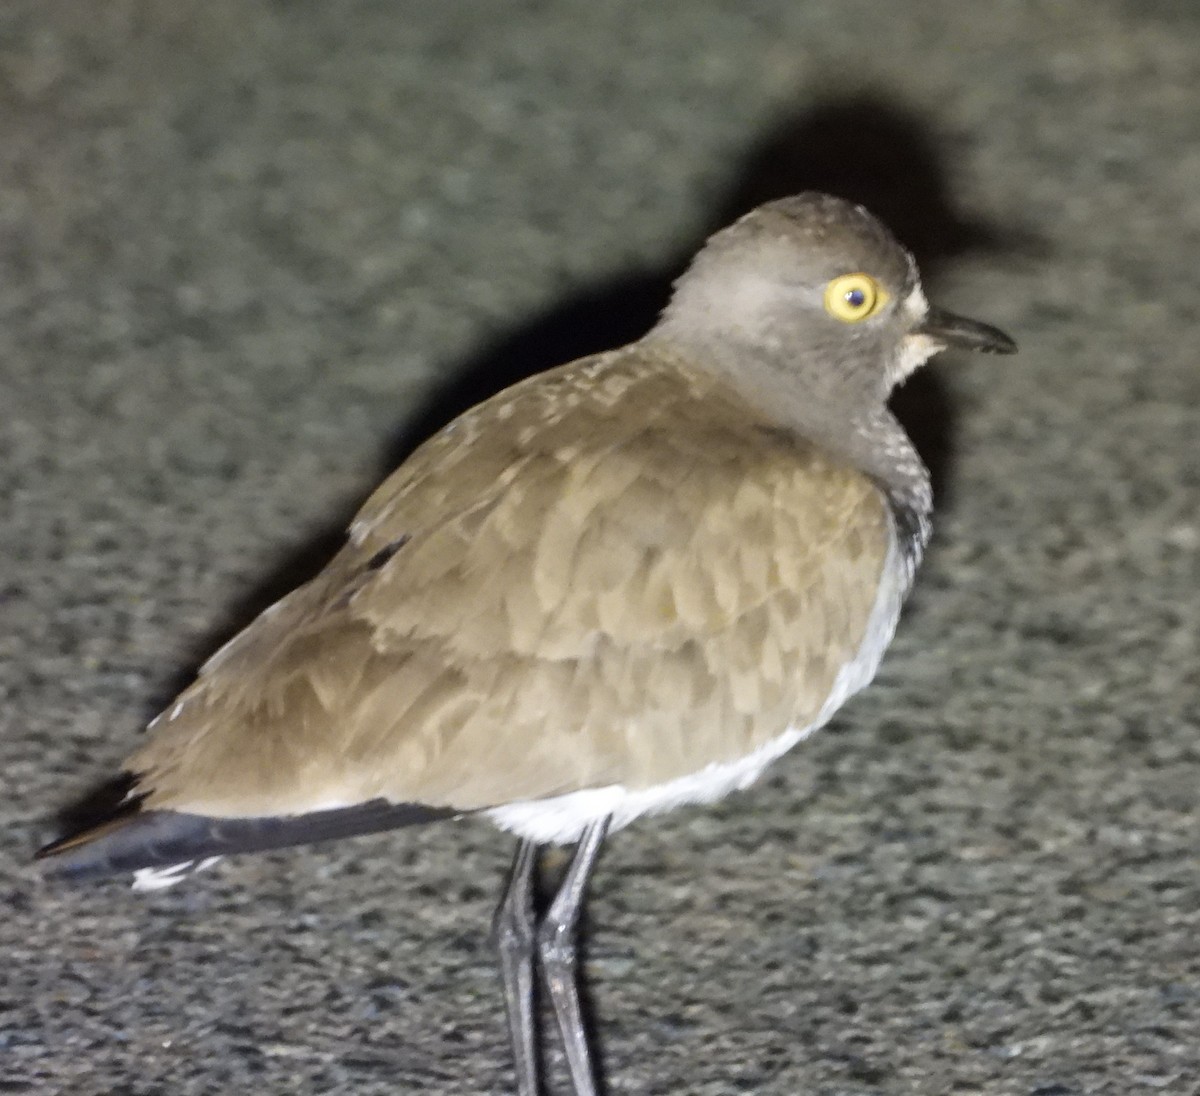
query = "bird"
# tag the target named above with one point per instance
(620, 586)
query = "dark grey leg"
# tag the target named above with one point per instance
(556, 937)
(513, 931)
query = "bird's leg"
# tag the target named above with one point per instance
(556, 937)
(513, 933)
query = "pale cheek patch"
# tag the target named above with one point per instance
(915, 350)
(916, 307)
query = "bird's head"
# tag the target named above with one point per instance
(814, 293)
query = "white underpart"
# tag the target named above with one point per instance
(152, 879)
(562, 819)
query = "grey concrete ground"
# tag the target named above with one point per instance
(251, 250)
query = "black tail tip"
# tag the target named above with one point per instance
(134, 838)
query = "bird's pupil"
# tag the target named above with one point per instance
(855, 298)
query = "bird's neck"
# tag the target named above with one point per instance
(854, 426)
(873, 441)
(885, 452)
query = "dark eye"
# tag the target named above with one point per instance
(855, 298)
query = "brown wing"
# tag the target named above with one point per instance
(612, 573)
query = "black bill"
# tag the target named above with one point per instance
(952, 330)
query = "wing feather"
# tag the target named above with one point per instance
(612, 573)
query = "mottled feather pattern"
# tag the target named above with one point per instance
(616, 508)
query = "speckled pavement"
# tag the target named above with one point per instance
(251, 252)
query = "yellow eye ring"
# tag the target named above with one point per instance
(851, 298)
